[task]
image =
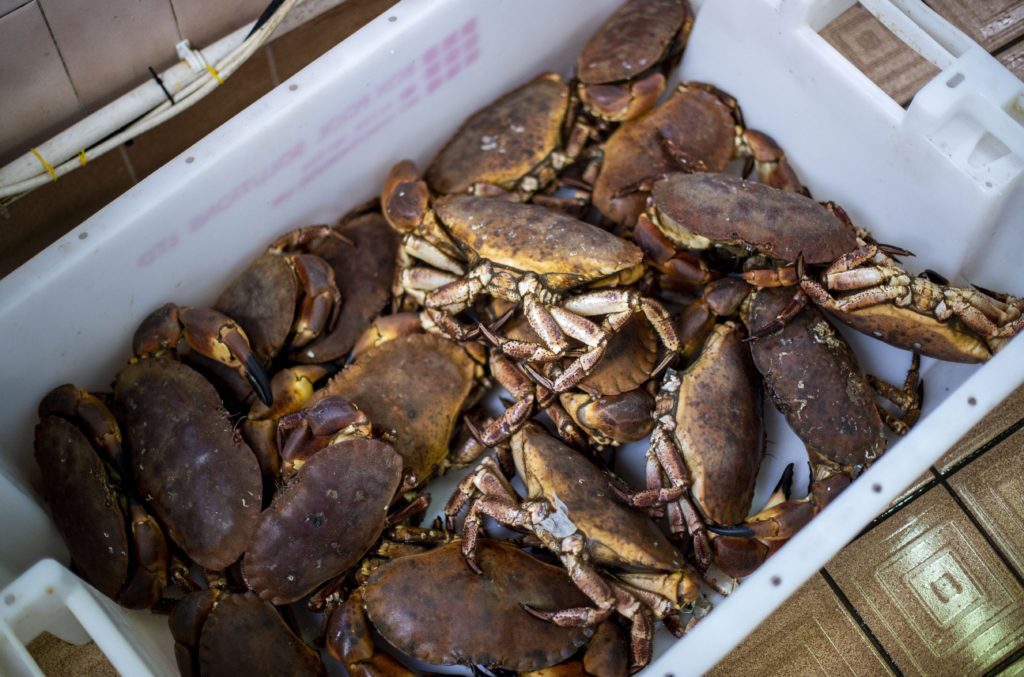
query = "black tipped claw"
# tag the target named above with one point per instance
(258, 378)
(741, 530)
(786, 481)
(538, 377)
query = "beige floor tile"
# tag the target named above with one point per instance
(204, 22)
(108, 45)
(990, 23)
(992, 487)
(307, 42)
(152, 150)
(812, 634)
(1008, 412)
(36, 96)
(47, 213)
(932, 590)
(879, 54)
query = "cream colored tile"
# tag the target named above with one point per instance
(812, 634)
(1005, 414)
(108, 45)
(878, 53)
(204, 22)
(36, 95)
(932, 591)
(992, 487)
(991, 23)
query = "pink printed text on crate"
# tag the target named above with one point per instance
(392, 97)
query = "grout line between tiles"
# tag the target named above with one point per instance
(984, 532)
(939, 477)
(890, 512)
(174, 15)
(861, 623)
(128, 164)
(275, 77)
(1006, 663)
(995, 441)
(1008, 46)
(12, 10)
(60, 54)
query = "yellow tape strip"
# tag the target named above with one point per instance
(215, 74)
(82, 160)
(46, 165)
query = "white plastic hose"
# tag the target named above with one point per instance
(146, 104)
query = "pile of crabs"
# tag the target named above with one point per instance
(583, 247)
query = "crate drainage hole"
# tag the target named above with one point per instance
(82, 236)
(392, 19)
(877, 488)
(776, 581)
(292, 87)
(9, 599)
(955, 80)
(972, 401)
(189, 160)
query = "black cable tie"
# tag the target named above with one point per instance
(161, 83)
(270, 10)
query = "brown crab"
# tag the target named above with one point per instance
(812, 376)
(114, 543)
(572, 510)
(324, 519)
(786, 239)
(409, 391)
(513, 147)
(187, 459)
(534, 257)
(284, 298)
(698, 128)
(223, 633)
(623, 68)
(409, 601)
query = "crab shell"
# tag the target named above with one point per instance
(87, 510)
(814, 379)
(617, 536)
(363, 273)
(692, 119)
(219, 633)
(719, 425)
(432, 607)
(562, 251)
(201, 480)
(698, 211)
(323, 521)
(505, 141)
(639, 39)
(413, 390)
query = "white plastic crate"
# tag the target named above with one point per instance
(942, 178)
